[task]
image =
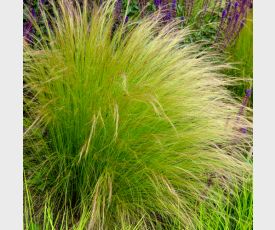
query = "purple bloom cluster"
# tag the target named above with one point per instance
(28, 28)
(118, 9)
(27, 31)
(174, 8)
(232, 21)
(168, 8)
(157, 3)
(126, 19)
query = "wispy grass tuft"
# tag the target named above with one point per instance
(124, 128)
(232, 210)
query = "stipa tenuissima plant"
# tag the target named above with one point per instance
(124, 128)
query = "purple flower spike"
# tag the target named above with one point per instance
(237, 17)
(168, 16)
(174, 8)
(157, 3)
(27, 31)
(243, 130)
(228, 6)
(33, 12)
(236, 4)
(28, 28)
(126, 19)
(118, 7)
(224, 13)
(174, 4)
(248, 92)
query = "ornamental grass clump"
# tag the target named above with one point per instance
(124, 128)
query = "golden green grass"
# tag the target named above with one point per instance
(124, 128)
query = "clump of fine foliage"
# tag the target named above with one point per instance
(124, 127)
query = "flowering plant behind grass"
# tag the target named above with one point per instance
(233, 19)
(241, 53)
(219, 21)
